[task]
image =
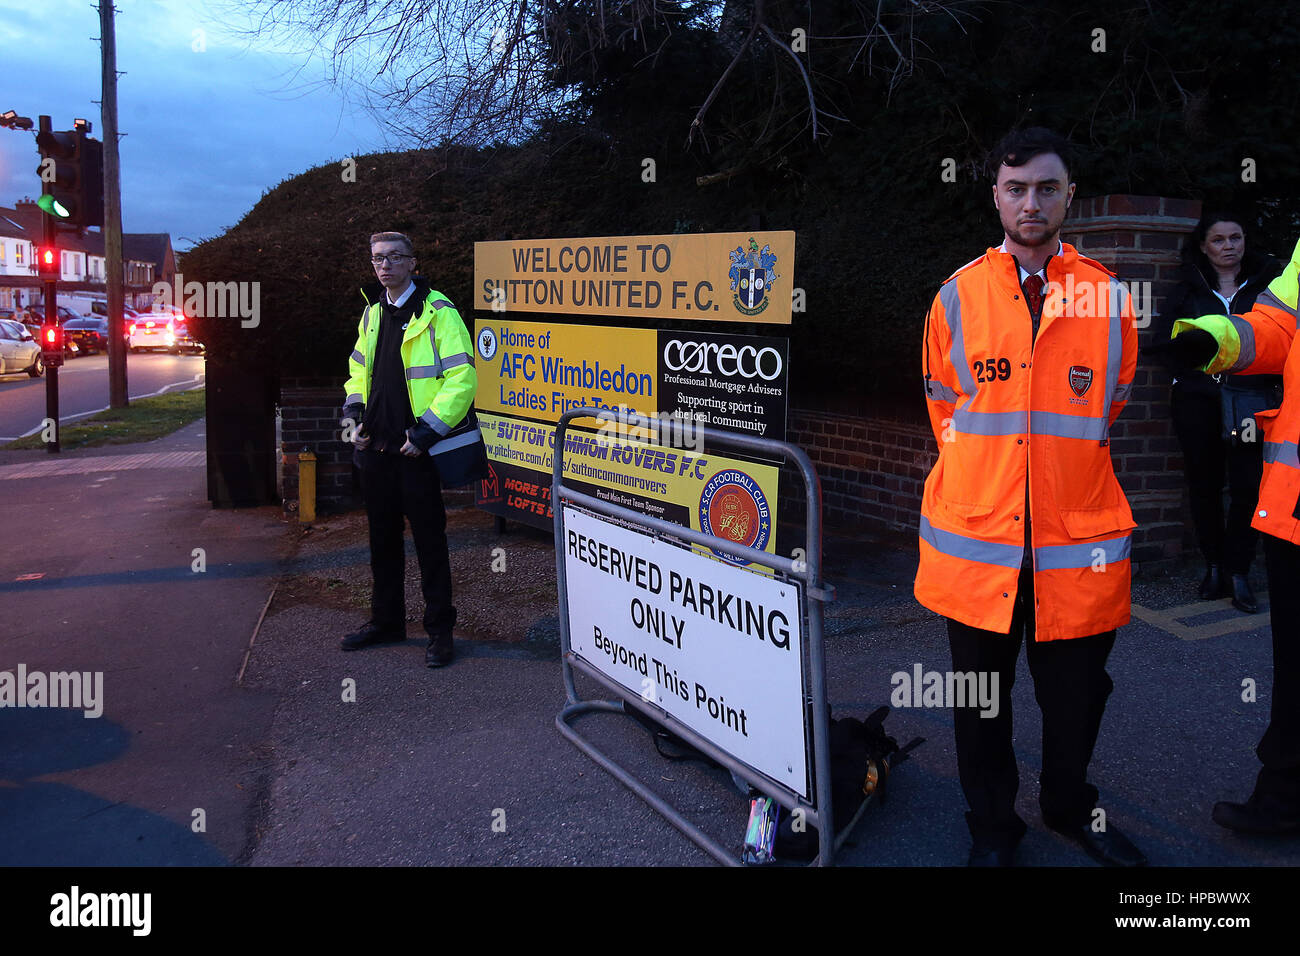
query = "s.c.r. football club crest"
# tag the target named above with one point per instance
(733, 507)
(1080, 379)
(752, 274)
(487, 343)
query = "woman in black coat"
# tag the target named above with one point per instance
(1214, 415)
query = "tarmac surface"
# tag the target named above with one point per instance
(297, 753)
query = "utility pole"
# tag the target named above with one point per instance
(117, 397)
(50, 287)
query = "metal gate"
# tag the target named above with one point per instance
(805, 574)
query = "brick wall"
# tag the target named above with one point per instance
(873, 469)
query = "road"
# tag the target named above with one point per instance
(83, 387)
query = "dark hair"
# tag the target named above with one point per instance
(394, 237)
(1021, 145)
(1251, 261)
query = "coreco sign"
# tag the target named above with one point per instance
(704, 357)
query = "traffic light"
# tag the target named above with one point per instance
(72, 178)
(52, 345)
(47, 261)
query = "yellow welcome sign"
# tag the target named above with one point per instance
(714, 277)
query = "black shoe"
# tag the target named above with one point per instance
(370, 634)
(1243, 598)
(994, 846)
(1108, 847)
(1263, 816)
(1213, 585)
(992, 854)
(440, 651)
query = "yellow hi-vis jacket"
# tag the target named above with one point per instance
(437, 354)
(1258, 342)
(1012, 413)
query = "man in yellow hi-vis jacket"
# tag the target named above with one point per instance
(411, 381)
(1264, 341)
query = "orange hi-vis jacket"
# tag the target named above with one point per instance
(1259, 342)
(1011, 413)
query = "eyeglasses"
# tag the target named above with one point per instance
(393, 258)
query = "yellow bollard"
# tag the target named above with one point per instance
(306, 487)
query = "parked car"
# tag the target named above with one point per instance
(100, 309)
(30, 318)
(163, 328)
(89, 332)
(19, 350)
(33, 317)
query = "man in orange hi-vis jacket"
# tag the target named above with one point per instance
(1264, 340)
(1029, 357)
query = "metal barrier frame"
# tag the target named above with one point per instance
(816, 594)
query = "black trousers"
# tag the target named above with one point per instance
(1071, 686)
(1279, 749)
(394, 486)
(1207, 457)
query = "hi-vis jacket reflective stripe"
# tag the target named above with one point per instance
(437, 354)
(1258, 342)
(1006, 411)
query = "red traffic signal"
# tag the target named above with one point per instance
(52, 345)
(47, 261)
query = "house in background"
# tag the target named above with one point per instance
(17, 260)
(147, 257)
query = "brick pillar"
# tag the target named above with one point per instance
(1139, 238)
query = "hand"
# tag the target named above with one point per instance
(1190, 351)
(361, 440)
(409, 450)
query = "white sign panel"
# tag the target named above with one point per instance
(716, 646)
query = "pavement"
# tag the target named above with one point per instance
(225, 692)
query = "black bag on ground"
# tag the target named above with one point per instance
(861, 756)
(460, 456)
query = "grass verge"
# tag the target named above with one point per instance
(145, 420)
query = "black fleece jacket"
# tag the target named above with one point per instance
(1192, 297)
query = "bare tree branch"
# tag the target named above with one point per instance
(476, 72)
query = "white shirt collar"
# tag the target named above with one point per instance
(401, 299)
(1060, 250)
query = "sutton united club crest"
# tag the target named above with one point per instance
(734, 507)
(1080, 379)
(752, 274)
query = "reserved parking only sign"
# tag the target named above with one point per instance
(716, 646)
